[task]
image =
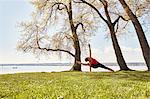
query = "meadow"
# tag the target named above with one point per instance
(76, 85)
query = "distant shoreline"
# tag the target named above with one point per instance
(70, 64)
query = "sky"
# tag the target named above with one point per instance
(14, 11)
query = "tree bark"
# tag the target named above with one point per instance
(76, 66)
(140, 33)
(120, 60)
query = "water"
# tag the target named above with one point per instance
(22, 69)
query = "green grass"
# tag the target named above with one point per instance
(76, 85)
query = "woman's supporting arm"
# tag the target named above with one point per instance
(82, 63)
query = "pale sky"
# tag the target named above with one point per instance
(14, 11)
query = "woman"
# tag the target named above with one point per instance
(94, 63)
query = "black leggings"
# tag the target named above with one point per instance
(102, 66)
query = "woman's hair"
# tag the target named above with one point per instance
(87, 59)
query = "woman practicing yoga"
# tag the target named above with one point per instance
(93, 62)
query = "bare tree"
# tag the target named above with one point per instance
(140, 33)
(111, 25)
(74, 29)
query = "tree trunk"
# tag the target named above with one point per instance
(76, 66)
(120, 60)
(140, 33)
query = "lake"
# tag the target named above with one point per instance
(16, 68)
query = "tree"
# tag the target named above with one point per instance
(140, 33)
(74, 29)
(111, 25)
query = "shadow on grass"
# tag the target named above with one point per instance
(127, 75)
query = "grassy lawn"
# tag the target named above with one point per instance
(76, 85)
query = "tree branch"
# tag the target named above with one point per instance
(105, 4)
(117, 27)
(65, 7)
(58, 4)
(49, 49)
(81, 25)
(52, 9)
(83, 1)
(114, 23)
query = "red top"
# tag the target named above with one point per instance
(93, 61)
